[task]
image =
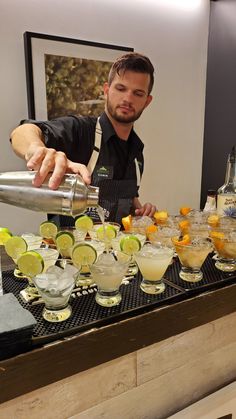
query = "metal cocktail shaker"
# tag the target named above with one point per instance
(71, 198)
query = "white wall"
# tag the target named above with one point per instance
(173, 33)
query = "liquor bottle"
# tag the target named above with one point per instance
(226, 199)
(71, 198)
(210, 205)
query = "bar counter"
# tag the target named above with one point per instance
(72, 357)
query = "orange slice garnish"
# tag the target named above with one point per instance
(182, 240)
(184, 226)
(127, 222)
(151, 230)
(217, 235)
(185, 210)
(161, 217)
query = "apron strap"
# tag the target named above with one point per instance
(95, 154)
(138, 172)
(97, 145)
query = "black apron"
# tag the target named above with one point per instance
(115, 196)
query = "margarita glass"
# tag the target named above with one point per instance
(129, 243)
(224, 242)
(66, 238)
(192, 255)
(84, 254)
(55, 286)
(33, 242)
(108, 272)
(49, 257)
(104, 232)
(140, 224)
(153, 262)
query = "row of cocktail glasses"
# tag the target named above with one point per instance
(107, 270)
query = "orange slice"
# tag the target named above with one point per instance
(217, 235)
(151, 229)
(161, 216)
(127, 222)
(213, 220)
(184, 226)
(185, 210)
(182, 240)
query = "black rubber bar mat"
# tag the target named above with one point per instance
(86, 313)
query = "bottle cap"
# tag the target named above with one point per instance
(211, 192)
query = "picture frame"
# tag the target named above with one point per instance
(66, 76)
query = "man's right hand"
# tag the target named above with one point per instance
(47, 160)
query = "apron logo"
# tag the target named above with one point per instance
(103, 172)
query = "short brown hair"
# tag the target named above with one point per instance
(132, 61)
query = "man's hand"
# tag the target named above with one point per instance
(28, 143)
(45, 160)
(146, 209)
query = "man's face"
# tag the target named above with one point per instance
(127, 96)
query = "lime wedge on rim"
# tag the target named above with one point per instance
(5, 234)
(130, 245)
(83, 254)
(64, 240)
(15, 246)
(30, 263)
(84, 222)
(48, 229)
(109, 230)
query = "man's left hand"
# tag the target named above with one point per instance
(147, 209)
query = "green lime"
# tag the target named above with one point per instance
(5, 234)
(109, 230)
(30, 263)
(130, 245)
(15, 246)
(83, 254)
(48, 229)
(64, 240)
(84, 222)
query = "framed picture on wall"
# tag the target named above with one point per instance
(66, 76)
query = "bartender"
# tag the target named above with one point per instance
(105, 151)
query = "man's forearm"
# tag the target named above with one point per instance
(25, 139)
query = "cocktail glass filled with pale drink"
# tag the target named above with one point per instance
(153, 262)
(225, 245)
(192, 253)
(108, 273)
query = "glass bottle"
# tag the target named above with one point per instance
(210, 205)
(226, 199)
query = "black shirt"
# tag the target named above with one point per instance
(75, 137)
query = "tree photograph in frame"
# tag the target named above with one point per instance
(65, 76)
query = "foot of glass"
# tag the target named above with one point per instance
(84, 280)
(152, 287)
(190, 275)
(226, 265)
(108, 298)
(56, 316)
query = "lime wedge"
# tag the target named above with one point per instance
(48, 229)
(64, 240)
(84, 222)
(130, 245)
(83, 254)
(5, 234)
(30, 263)
(109, 230)
(15, 246)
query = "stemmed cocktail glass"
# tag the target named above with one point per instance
(153, 262)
